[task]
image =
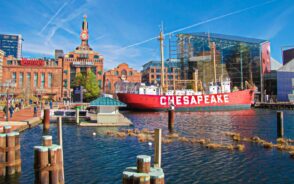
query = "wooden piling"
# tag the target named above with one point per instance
(127, 177)
(46, 120)
(280, 124)
(143, 163)
(141, 178)
(2, 154)
(17, 154)
(171, 119)
(10, 157)
(53, 160)
(60, 151)
(156, 176)
(157, 149)
(78, 116)
(7, 129)
(59, 160)
(47, 140)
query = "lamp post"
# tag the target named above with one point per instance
(40, 91)
(7, 85)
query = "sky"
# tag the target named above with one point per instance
(126, 30)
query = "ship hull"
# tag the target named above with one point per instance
(213, 102)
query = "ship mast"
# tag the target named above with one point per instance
(161, 38)
(213, 49)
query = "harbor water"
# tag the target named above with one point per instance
(101, 159)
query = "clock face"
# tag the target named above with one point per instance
(84, 36)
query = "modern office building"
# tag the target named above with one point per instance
(217, 57)
(81, 60)
(122, 73)
(34, 77)
(151, 73)
(288, 55)
(279, 84)
(11, 44)
(1, 63)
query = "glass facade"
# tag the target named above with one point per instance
(219, 57)
(11, 45)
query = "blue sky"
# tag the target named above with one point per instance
(116, 24)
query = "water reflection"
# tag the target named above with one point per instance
(101, 159)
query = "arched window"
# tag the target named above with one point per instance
(130, 73)
(124, 72)
(116, 73)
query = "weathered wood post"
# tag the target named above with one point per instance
(157, 148)
(280, 124)
(143, 163)
(2, 154)
(10, 157)
(47, 140)
(78, 116)
(7, 129)
(47, 163)
(60, 142)
(10, 161)
(17, 153)
(46, 120)
(171, 118)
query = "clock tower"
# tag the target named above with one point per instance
(84, 33)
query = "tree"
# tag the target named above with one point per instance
(90, 84)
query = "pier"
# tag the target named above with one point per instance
(274, 105)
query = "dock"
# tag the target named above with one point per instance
(275, 105)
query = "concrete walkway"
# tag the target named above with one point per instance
(21, 119)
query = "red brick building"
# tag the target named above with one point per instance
(121, 73)
(81, 60)
(34, 77)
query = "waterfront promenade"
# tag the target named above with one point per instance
(20, 119)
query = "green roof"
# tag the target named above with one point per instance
(107, 101)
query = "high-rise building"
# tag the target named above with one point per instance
(81, 60)
(1, 63)
(217, 57)
(11, 44)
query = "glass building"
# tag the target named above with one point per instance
(151, 73)
(11, 45)
(218, 57)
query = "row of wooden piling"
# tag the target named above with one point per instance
(48, 163)
(10, 160)
(144, 173)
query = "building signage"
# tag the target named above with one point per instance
(79, 63)
(32, 62)
(192, 100)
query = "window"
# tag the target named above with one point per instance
(116, 73)
(14, 76)
(35, 79)
(20, 79)
(29, 79)
(99, 83)
(124, 72)
(42, 80)
(130, 73)
(49, 80)
(65, 83)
